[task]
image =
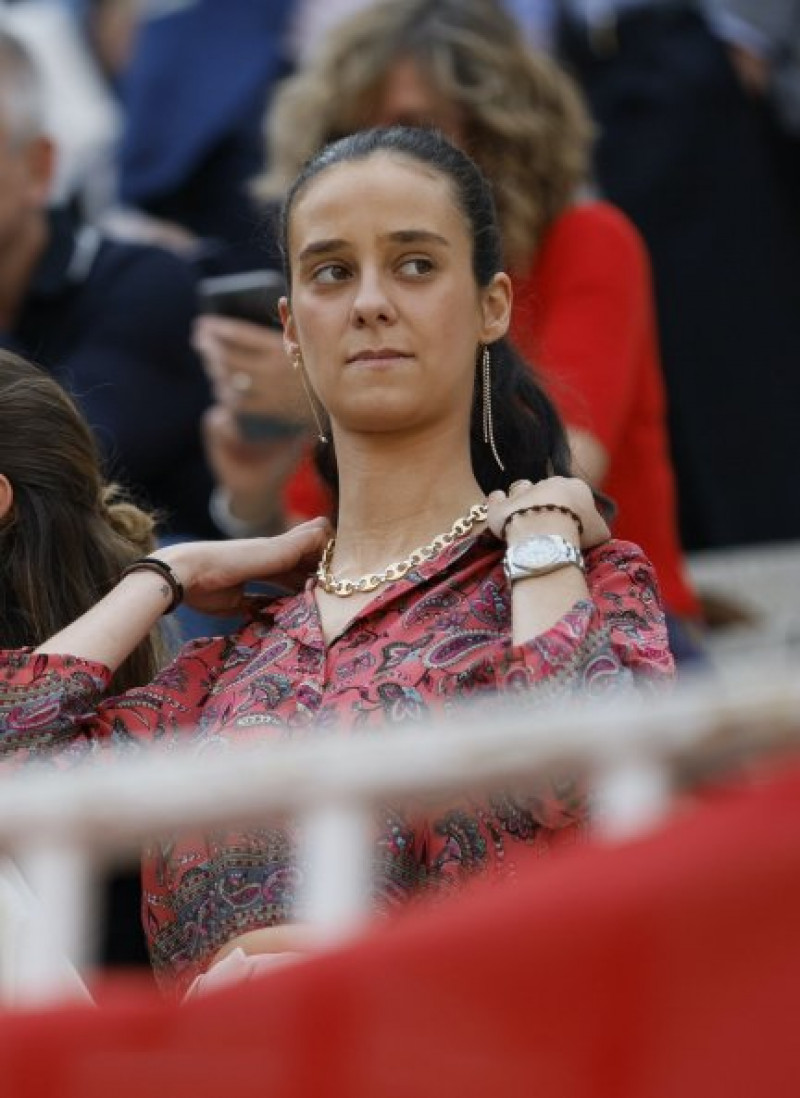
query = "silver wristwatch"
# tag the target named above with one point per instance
(538, 555)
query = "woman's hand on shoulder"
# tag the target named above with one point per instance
(213, 573)
(557, 505)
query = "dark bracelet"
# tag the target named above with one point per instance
(539, 507)
(153, 564)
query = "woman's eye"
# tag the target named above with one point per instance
(330, 272)
(416, 266)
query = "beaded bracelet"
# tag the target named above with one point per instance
(153, 564)
(539, 507)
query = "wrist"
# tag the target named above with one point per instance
(165, 580)
(531, 524)
(184, 560)
(540, 555)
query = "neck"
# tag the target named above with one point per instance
(18, 258)
(398, 493)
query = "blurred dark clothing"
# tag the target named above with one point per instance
(122, 940)
(256, 250)
(700, 167)
(111, 322)
(195, 96)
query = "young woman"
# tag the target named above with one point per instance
(467, 561)
(583, 300)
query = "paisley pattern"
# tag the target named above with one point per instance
(437, 637)
(455, 648)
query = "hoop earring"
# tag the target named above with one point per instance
(488, 421)
(297, 363)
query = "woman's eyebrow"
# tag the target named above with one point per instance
(321, 247)
(414, 236)
(399, 236)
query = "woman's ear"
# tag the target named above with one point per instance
(6, 496)
(290, 344)
(496, 301)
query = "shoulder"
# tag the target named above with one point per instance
(624, 589)
(591, 254)
(144, 267)
(148, 292)
(595, 218)
(596, 229)
(618, 562)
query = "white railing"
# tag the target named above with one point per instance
(632, 750)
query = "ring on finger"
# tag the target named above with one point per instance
(241, 382)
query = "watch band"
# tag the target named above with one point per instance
(539, 555)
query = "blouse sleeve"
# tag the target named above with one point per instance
(52, 707)
(614, 638)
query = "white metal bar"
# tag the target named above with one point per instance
(337, 864)
(629, 797)
(123, 802)
(53, 943)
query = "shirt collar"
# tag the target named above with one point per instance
(68, 256)
(298, 614)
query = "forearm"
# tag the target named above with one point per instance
(110, 630)
(561, 622)
(286, 937)
(212, 575)
(538, 602)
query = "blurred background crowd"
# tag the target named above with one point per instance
(645, 157)
(162, 133)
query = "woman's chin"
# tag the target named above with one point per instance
(379, 418)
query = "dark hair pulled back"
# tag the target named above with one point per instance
(530, 437)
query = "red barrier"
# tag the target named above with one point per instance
(668, 967)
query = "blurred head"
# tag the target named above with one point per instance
(26, 153)
(392, 245)
(463, 67)
(65, 535)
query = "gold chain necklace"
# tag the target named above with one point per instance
(345, 587)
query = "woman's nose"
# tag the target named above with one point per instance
(372, 303)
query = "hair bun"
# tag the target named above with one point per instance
(128, 520)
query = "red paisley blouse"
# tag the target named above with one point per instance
(439, 635)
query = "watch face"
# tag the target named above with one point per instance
(537, 553)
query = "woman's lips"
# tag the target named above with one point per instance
(377, 357)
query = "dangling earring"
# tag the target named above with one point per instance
(488, 422)
(297, 362)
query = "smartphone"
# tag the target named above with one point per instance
(248, 295)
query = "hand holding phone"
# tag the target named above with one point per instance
(248, 295)
(248, 366)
